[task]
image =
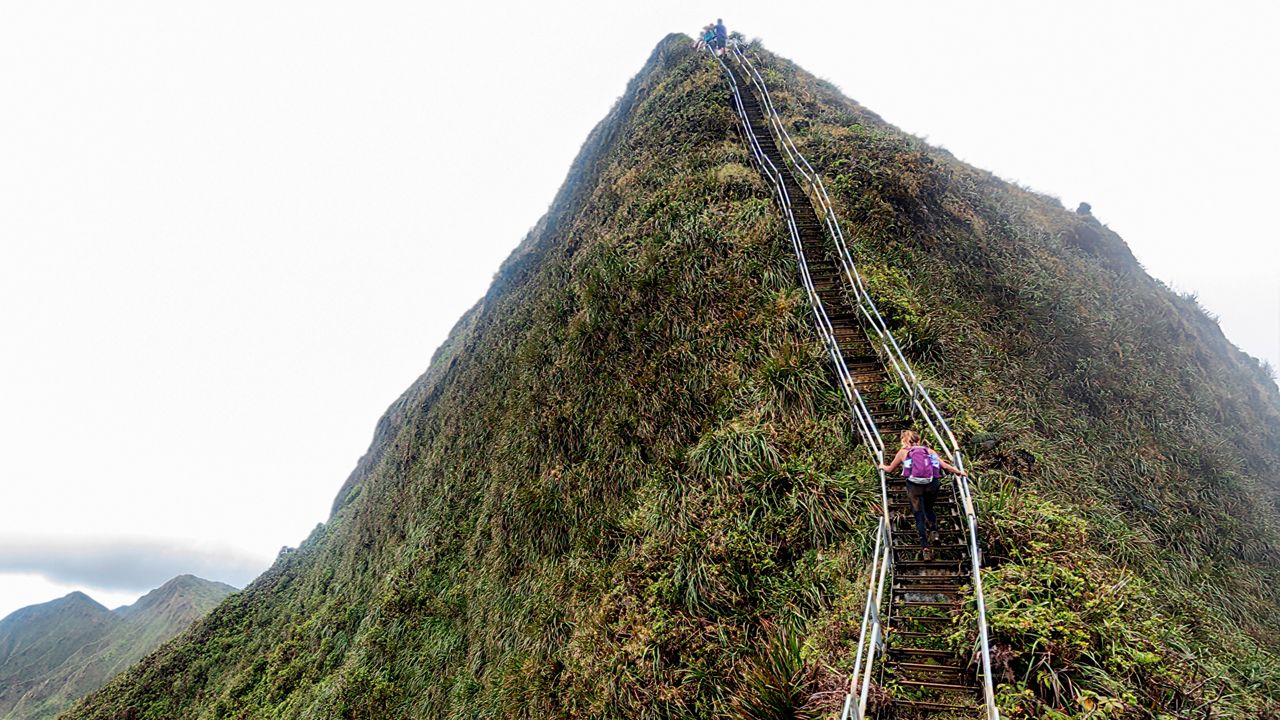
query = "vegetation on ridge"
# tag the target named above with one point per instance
(626, 488)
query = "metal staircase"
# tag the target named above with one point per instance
(864, 365)
(924, 678)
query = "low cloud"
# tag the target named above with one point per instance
(126, 565)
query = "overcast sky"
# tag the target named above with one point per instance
(231, 233)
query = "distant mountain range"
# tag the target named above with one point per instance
(54, 653)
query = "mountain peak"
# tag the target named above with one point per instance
(75, 602)
(79, 598)
(627, 479)
(55, 652)
(181, 589)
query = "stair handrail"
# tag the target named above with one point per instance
(869, 643)
(890, 349)
(863, 419)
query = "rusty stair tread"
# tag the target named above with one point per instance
(930, 652)
(932, 705)
(932, 667)
(935, 685)
(929, 563)
(952, 591)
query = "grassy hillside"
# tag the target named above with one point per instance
(37, 640)
(625, 486)
(54, 654)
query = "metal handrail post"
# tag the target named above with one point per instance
(875, 619)
(866, 613)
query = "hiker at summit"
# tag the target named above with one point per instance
(709, 36)
(922, 468)
(722, 36)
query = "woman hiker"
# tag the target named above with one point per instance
(920, 466)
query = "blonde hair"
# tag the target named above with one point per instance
(909, 437)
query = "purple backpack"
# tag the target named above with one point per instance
(918, 466)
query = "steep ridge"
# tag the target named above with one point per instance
(626, 487)
(80, 644)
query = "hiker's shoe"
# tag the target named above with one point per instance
(934, 536)
(927, 553)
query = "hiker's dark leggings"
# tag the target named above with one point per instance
(922, 498)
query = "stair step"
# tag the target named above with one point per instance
(931, 667)
(928, 563)
(902, 602)
(956, 576)
(949, 573)
(905, 524)
(912, 572)
(921, 604)
(929, 705)
(941, 508)
(899, 488)
(945, 597)
(924, 652)
(923, 618)
(925, 585)
(915, 634)
(939, 505)
(951, 581)
(920, 585)
(934, 685)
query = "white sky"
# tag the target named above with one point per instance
(231, 233)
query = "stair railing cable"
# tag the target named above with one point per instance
(889, 349)
(869, 643)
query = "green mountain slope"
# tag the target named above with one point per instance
(37, 640)
(55, 653)
(625, 485)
